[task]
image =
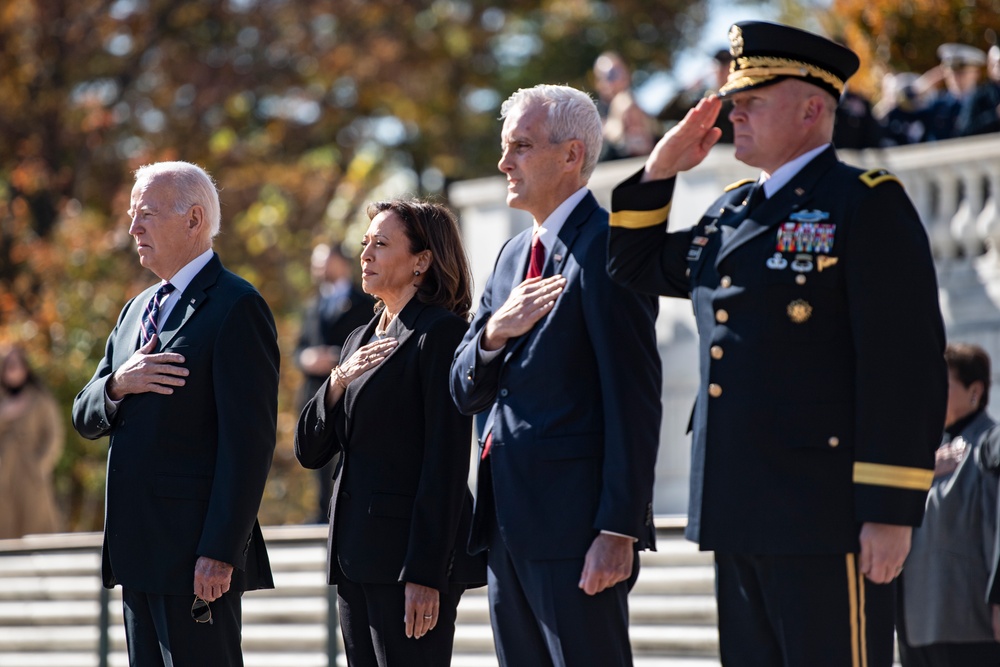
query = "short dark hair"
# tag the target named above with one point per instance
(431, 226)
(970, 363)
(31, 378)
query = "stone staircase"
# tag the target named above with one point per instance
(51, 603)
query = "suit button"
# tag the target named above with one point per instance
(687, 273)
(714, 390)
(716, 351)
(833, 441)
(726, 281)
(721, 316)
(503, 393)
(469, 375)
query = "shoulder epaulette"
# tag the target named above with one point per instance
(873, 177)
(742, 181)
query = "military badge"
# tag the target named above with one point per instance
(799, 311)
(802, 263)
(777, 262)
(825, 262)
(694, 253)
(700, 240)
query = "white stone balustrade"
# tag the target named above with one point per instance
(954, 185)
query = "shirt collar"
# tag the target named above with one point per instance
(786, 172)
(549, 228)
(183, 278)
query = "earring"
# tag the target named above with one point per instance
(975, 400)
(416, 273)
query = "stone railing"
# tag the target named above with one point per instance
(955, 186)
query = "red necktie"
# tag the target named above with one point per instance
(537, 260)
(535, 264)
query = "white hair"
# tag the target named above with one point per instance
(192, 185)
(572, 114)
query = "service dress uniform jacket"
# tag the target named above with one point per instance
(823, 383)
(946, 576)
(186, 471)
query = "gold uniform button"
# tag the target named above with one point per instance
(833, 441)
(800, 279)
(714, 390)
(726, 281)
(721, 316)
(716, 352)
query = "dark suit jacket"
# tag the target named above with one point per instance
(823, 383)
(988, 457)
(401, 503)
(322, 326)
(575, 403)
(186, 471)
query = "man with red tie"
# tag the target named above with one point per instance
(564, 499)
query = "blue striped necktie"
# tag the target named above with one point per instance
(152, 312)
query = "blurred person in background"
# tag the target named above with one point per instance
(902, 110)
(401, 507)
(960, 71)
(981, 112)
(339, 308)
(31, 441)
(628, 130)
(944, 619)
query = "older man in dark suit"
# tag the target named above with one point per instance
(565, 485)
(187, 392)
(822, 371)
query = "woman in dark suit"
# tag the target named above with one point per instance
(401, 505)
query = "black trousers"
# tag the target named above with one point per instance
(541, 618)
(801, 611)
(371, 619)
(160, 632)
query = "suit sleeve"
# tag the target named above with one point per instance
(900, 376)
(444, 473)
(473, 383)
(245, 379)
(316, 441)
(621, 324)
(642, 255)
(90, 417)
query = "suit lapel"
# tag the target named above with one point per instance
(556, 259)
(774, 210)
(402, 329)
(191, 299)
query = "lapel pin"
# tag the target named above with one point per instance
(557, 258)
(799, 191)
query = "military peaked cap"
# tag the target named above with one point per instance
(766, 53)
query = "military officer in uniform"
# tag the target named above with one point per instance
(823, 384)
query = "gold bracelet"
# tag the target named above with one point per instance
(339, 378)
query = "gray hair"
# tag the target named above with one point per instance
(572, 114)
(192, 185)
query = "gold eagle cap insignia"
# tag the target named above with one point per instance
(736, 41)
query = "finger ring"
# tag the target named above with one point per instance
(428, 615)
(364, 359)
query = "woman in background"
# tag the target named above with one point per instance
(945, 620)
(31, 441)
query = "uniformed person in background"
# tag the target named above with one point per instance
(823, 384)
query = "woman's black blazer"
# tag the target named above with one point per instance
(401, 505)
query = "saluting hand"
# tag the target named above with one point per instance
(527, 304)
(146, 372)
(687, 143)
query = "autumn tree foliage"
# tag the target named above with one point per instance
(892, 36)
(303, 111)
